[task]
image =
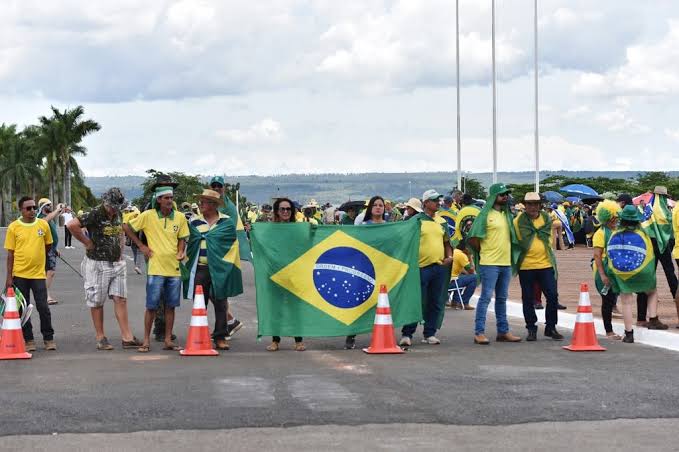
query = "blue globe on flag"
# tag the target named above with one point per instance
(627, 251)
(344, 277)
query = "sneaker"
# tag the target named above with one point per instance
(233, 328)
(554, 334)
(655, 324)
(538, 306)
(532, 336)
(103, 344)
(405, 341)
(561, 307)
(30, 346)
(431, 340)
(50, 345)
(221, 344)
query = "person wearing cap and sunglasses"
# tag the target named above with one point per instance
(28, 241)
(435, 258)
(496, 249)
(537, 264)
(104, 268)
(47, 213)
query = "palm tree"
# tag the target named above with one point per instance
(61, 135)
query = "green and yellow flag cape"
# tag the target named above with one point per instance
(631, 260)
(658, 221)
(242, 236)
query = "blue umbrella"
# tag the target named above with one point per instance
(552, 196)
(580, 190)
(573, 199)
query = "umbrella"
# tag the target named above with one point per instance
(552, 196)
(580, 190)
(573, 199)
(356, 205)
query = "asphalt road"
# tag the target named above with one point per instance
(455, 393)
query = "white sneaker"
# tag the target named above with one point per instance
(431, 340)
(405, 341)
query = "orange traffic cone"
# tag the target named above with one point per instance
(12, 344)
(584, 337)
(198, 342)
(383, 340)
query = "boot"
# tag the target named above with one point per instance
(629, 337)
(655, 324)
(532, 336)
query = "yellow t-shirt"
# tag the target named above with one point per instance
(599, 240)
(203, 226)
(163, 234)
(537, 257)
(460, 262)
(28, 241)
(496, 246)
(433, 232)
(675, 226)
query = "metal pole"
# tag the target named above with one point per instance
(457, 69)
(494, 95)
(537, 134)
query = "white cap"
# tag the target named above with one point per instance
(431, 195)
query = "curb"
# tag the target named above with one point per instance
(654, 338)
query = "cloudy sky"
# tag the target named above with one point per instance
(279, 86)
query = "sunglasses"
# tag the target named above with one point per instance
(285, 209)
(216, 186)
(204, 201)
(31, 208)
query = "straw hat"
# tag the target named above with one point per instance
(532, 196)
(211, 195)
(415, 203)
(660, 190)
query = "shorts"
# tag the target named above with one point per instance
(103, 280)
(51, 260)
(166, 288)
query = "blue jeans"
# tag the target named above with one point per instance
(466, 282)
(545, 278)
(432, 282)
(494, 278)
(166, 288)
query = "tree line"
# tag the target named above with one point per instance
(40, 161)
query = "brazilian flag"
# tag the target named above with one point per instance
(323, 280)
(231, 210)
(658, 221)
(631, 261)
(448, 215)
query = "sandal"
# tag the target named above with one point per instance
(273, 347)
(144, 349)
(51, 301)
(172, 347)
(299, 346)
(103, 344)
(133, 343)
(221, 344)
(612, 336)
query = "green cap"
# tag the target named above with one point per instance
(630, 213)
(217, 180)
(498, 189)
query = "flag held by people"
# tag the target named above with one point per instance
(323, 280)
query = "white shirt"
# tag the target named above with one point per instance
(67, 216)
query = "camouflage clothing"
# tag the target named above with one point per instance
(104, 233)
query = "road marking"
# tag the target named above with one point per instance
(149, 357)
(338, 363)
(245, 392)
(321, 394)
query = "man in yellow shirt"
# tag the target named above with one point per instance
(493, 239)
(28, 240)
(435, 257)
(537, 264)
(166, 230)
(463, 272)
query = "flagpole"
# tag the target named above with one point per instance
(494, 94)
(457, 79)
(537, 134)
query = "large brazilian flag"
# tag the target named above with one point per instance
(323, 280)
(631, 261)
(658, 221)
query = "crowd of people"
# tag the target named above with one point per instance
(463, 243)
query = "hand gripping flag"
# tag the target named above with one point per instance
(631, 261)
(324, 280)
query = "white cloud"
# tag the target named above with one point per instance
(620, 120)
(649, 70)
(673, 134)
(265, 131)
(577, 112)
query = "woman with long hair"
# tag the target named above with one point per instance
(284, 211)
(375, 213)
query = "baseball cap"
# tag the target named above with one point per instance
(431, 195)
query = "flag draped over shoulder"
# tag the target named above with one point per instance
(231, 210)
(566, 226)
(658, 221)
(448, 215)
(323, 280)
(463, 223)
(631, 261)
(222, 256)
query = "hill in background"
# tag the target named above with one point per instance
(337, 188)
